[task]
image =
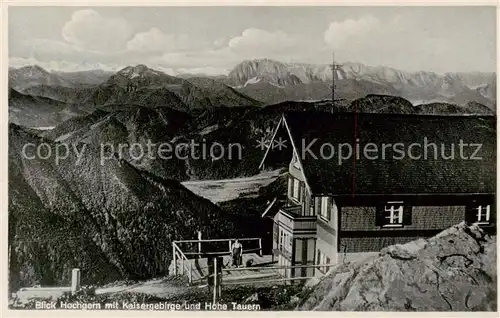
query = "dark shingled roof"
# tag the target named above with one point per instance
(389, 175)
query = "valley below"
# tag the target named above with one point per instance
(229, 189)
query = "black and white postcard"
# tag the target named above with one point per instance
(251, 158)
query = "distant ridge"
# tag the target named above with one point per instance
(137, 84)
(311, 82)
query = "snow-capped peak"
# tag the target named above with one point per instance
(253, 80)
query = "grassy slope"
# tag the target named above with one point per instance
(112, 221)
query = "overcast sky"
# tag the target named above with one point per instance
(212, 40)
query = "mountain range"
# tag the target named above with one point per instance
(261, 81)
(312, 81)
(34, 75)
(131, 85)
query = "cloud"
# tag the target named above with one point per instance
(389, 42)
(154, 41)
(227, 52)
(220, 42)
(416, 40)
(258, 40)
(338, 33)
(62, 65)
(194, 59)
(209, 70)
(224, 53)
(89, 30)
(51, 47)
(52, 50)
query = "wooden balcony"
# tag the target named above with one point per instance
(291, 219)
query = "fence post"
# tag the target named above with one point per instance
(190, 272)
(182, 265)
(260, 247)
(215, 280)
(199, 244)
(175, 258)
(75, 280)
(229, 245)
(219, 284)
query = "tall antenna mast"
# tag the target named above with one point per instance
(334, 67)
(333, 79)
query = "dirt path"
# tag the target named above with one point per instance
(162, 288)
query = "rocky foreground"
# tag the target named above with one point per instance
(453, 271)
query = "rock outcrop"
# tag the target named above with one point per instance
(453, 271)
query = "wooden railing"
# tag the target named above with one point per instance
(184, 266)
(217, 290)
(226, 252)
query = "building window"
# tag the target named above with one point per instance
(483, 214)
(285, 237)
(296, 189)
(393, 214)
(281, 240)
(275, 232)
(325, 209)
(322, 259)
(311, 206)
(285, 243)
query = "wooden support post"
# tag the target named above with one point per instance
(260, 247)
(229, 246)
(75, 280)
(190, 272)
(199, 244)
(182, 264)
(174, 252)
(215, 280)
(219, 284)
(219, 290)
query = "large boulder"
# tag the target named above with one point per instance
(453, 271)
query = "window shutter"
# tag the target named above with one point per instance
(320, 206)
(379, 216)
(329, 208)
(471, 213)
(493, 213)
(275, 232)
(290, 186)
(407, 214)
(302, 192)
(311, 205)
